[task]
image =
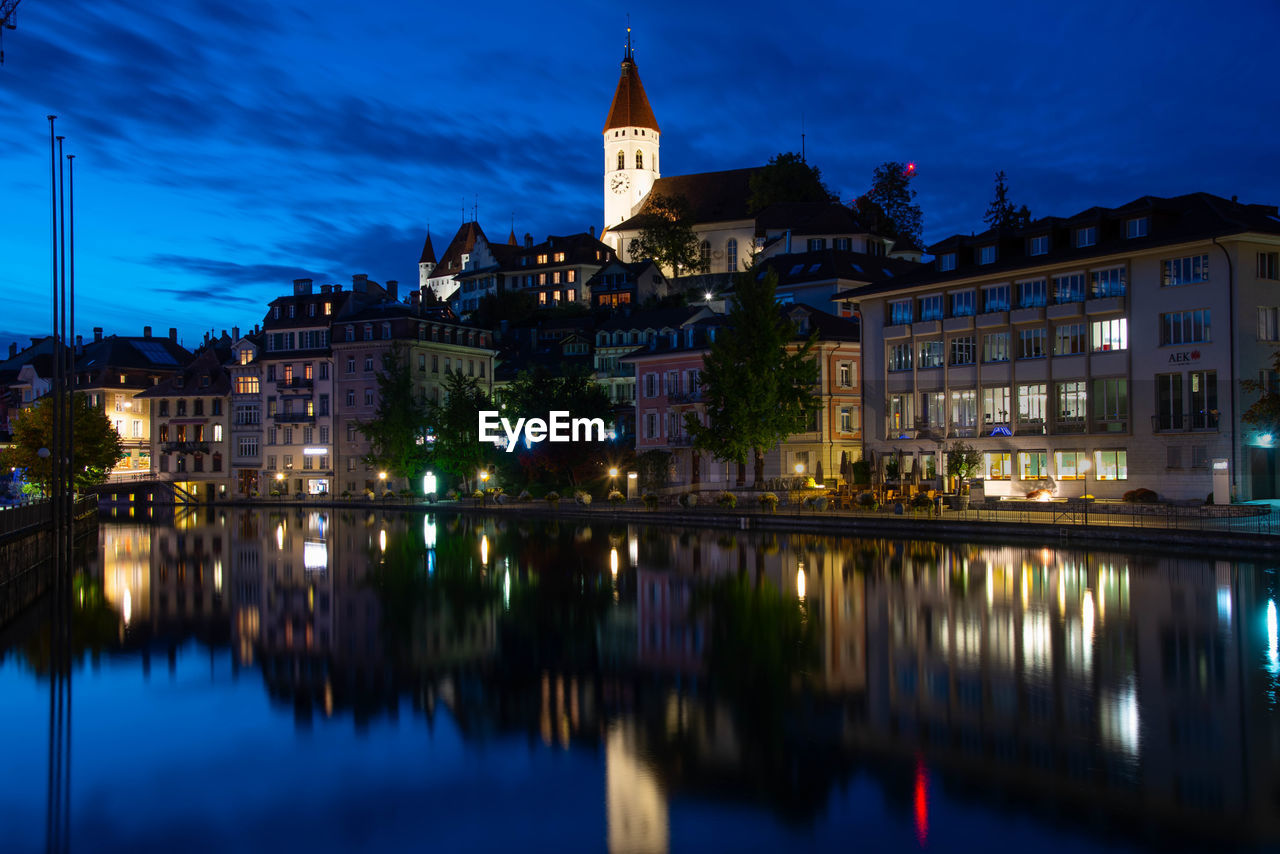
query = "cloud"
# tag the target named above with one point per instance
(233, 275)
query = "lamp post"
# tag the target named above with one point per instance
(280, 484)
(382, 483)
(613, 479)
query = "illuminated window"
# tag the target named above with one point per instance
(1033, 465)
(542, 298)
(995, 347)
(1071, 465)
(1111, 465)
(997, 465)
(622, 160)
(1111, 334)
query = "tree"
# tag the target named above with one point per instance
(396, 433)
(1264, 413)
(453, 429)
(667, 236)
(505, 305)
(96, 444)
(1001, 213)
(757, 384)
(536, 392)
(787, 178)
(888, 206)
(962, 461)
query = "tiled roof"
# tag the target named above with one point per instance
(712, 196)
(462, 244)
(1179, 219)
(116, 352)
(828, 264)
(187, 382)
(630, 107)
(428, 255)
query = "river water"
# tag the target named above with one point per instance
(340, 681)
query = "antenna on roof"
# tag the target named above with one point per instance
(802, 160)
(628, 54)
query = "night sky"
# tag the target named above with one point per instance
(223, 149)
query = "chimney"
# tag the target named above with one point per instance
(13, 347)
(97, 333)
(173, 334)
(235, 333)
(592, 231)
(393, 289)
(301, 287)
(79, 344)
(528, 240)
(326, 289)
(146, 332)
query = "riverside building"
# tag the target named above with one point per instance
(1094, 354)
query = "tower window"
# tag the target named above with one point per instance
(639, 160)
(622, 160)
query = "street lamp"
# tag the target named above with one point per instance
(799, 468)
(280, 483)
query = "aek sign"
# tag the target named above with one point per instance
(1181, 356)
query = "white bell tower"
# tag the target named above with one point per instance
(631, 140)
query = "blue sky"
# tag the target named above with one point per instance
(224, 149)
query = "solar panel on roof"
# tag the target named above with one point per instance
(886, 271)
(154, 352)
(813, 268)
(857, 267)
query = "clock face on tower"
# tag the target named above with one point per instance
(620, 182)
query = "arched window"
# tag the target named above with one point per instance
(731, 256)
(622, 160)
(639, 160)
(706, 256)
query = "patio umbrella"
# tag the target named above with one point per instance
(817, 473)
(844, 467)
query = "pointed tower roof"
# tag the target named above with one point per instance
(428, 251)
(511, 239)
(630, 107)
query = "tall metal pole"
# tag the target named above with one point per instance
(71, 348)
(53, 457)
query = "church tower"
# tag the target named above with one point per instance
(630, 145)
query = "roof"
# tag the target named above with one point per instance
(187, 383)
(630, 107)
(803, 218)
(658, 318)
(828, 264)
(462, 244)
(428, 255)
(115, 352)
(712, 196)
(1174, 220)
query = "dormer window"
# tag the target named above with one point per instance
(987, 254)
(1137, 227)
(947, 261)
(1086, 236)
(1038, 245)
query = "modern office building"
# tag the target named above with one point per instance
(1094, 354)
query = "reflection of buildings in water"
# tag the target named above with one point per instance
(1066, 672)
(634, 798)
(189, 569)
(126, 571)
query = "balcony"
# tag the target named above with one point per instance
(294, 418)
(684, 396)
(1182, 422)
(184, 447)
(681, 441)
